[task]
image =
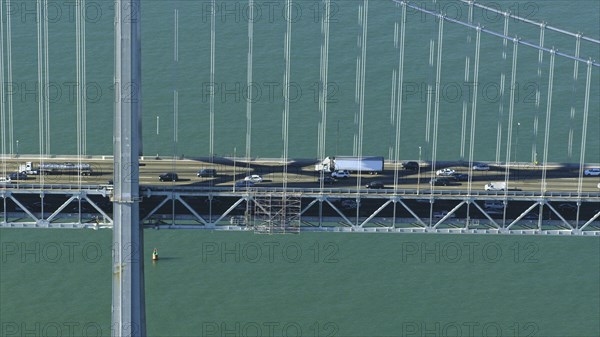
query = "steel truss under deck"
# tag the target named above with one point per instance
(273, 210)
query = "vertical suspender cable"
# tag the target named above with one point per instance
(40, 88)
(548, 115)
(473, 119)
(537, 96)
(212, 82)
(2, 111)
(474, 109)
(361, 100)
(361, 106)
(586, 109)
(463, 134)
(46, 78)
(429, 85)
(436, 107)
(511, 105)
(393, 97)
(573, 91)
(324, 72)
(547, 134)
(502, 81)
(249, 80)
(9, 74)
(175, 103)
(83, 82)
(79, 84)
(357, 84)
(399, 104)
(286, 92)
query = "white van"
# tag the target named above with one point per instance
(5, 180)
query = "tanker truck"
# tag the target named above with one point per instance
(56, 168)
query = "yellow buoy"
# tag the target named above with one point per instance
(155, 255)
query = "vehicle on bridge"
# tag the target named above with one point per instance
(481, 167)
(327, 180)
(255, 178)
(496, 186)
(459, 177)
(56, 168)
(375, 185)
(17, 176)
(207, 173)
(592, 172)
(439, 182)
(445, 172)
(169, 176)
(340, 174)
(371, 165)
(410, 165)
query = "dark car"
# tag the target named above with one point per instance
(18, 176)
(439, 182)
(375, 184)
(207, 173)
(460, 177)
(411, 165)
(327, 180)
(169, 176)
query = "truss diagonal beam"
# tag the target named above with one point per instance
(24, 208)
(231, 208)
(339, 212)
(191, 210)
(309, 206)
(58, 210)
(375, 213)
(411, 212)
(167, 198)
(98, 209)
(559, 216)
(590, 221)
(535, 204)
(449, 214)
(485, 214)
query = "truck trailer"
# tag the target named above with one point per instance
(56, 168)
(372, 165)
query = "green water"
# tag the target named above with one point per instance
(324, 284)
(357, 285)
(190, 76)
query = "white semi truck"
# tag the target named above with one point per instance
(372, 165)
(56, 168)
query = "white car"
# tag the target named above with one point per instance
(481, 167)
(592, 172)
(341, 174)
(445, 172)
(255, 178)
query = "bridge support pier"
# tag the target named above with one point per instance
(128, 303)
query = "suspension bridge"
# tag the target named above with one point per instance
(539, 197)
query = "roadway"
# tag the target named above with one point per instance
(523, 177)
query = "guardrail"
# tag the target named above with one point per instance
(424, 194)
(421, 194)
